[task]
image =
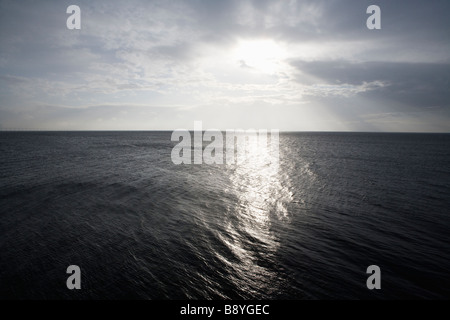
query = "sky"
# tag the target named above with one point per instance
(287, 65)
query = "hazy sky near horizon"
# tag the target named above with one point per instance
(288, 65)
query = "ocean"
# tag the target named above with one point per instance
(141, 227)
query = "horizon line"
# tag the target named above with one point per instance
(171, 130)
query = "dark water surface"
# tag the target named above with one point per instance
(139, 226)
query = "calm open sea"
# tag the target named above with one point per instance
(141, 227)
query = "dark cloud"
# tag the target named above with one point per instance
(413, 84)
(101, 117)
(415, 21)
(7, 79)
(178, 52)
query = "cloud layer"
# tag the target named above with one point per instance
(161, 65)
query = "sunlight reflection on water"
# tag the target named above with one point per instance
(262, 197)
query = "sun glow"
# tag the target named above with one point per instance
(264, 56)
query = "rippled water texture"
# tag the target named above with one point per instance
(139, 226)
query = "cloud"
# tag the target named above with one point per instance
(165, 53)
(413, 84)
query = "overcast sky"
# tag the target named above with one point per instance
(288, 65)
